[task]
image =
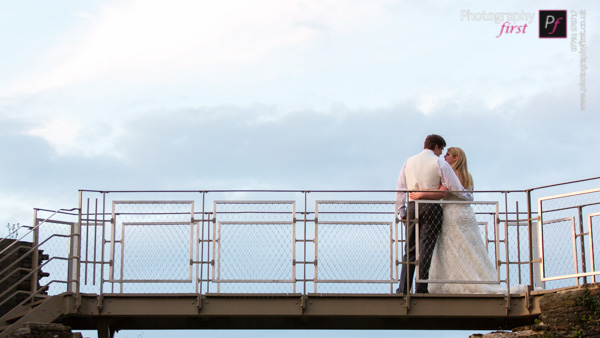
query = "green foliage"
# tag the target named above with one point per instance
(586, 321)
(13, 230)
(576, 329)
(590, 302)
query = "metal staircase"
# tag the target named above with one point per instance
(45, 310)
(22, 299)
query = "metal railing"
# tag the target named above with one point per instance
(41, 238)
(295, 241)
(575, 216)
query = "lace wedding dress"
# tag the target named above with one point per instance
(460, 255)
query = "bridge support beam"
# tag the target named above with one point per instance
(104, 329)
(321, 311)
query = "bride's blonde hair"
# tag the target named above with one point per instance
(460, 167)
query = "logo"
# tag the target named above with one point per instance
(553, 24)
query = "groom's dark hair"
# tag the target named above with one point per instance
(434, 140)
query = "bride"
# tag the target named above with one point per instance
(460, 254)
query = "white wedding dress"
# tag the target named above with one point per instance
(460, 255)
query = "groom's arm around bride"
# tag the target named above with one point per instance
(424, 171)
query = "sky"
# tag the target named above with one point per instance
(295, 94)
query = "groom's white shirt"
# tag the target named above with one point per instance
(419, 173)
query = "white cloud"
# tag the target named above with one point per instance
(294, 54)
(149, 40)
(60, 133)
(84, 15)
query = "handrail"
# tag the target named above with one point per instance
(31, 295)
(38, 292)
(27, 276)
(35, 228)
(18, 260)
(204, 191)
(8, 275)
(289, 191)
(565, 183)
(27, 253)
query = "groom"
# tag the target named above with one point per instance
(424, 171)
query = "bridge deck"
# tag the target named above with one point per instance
(293, 311)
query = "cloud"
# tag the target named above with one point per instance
(147, 40)
(84, 15)
(521, 144)
(60, 133)
(321, 52)
(310, 95)
(295, 55)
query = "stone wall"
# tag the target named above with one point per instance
(569, 313)
(42, 330)
(17, 273)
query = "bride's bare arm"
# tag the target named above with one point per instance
(429, 195)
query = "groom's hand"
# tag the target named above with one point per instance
(416, 195)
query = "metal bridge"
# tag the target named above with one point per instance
(285, 259)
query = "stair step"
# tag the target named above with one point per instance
(29, 306)
(38, 300)
(14, 317)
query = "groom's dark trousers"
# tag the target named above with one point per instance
(430, 224)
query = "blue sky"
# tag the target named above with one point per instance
(266, 94)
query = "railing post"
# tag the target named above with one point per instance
(35, 260)
(75, 251)
(506, 248)
(103, 244)
(210, 260)
(216, 241)
(304, 245)
(200, 253)
(530, 239)
(518, 219)
(581, 242)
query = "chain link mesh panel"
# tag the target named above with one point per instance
(354, 246)
(151, 244)
(254, 246)
(569, 233)
(518, 242)
(54, 239)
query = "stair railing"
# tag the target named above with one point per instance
(10, 292)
